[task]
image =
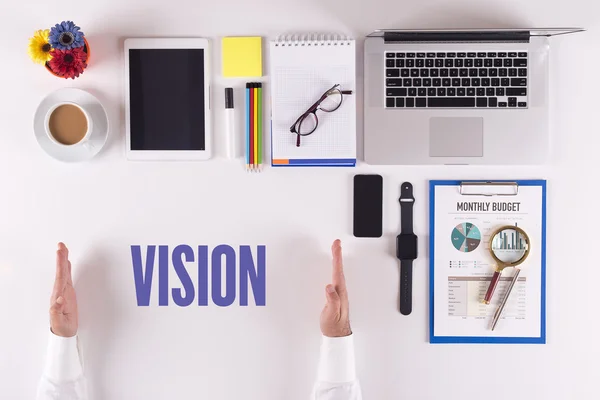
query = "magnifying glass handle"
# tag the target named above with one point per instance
(498, 312)
(492, 287)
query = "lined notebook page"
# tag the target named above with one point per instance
(301, 72)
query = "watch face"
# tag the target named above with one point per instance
(406, 247)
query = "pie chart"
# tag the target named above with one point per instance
(466, 237)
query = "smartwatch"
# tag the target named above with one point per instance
(406, 247)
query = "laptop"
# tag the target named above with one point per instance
(457, 96)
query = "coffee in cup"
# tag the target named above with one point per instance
(68, 124)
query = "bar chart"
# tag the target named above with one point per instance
(509, 239)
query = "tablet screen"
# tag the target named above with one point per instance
(166, 89)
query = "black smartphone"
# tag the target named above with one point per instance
(368, 205)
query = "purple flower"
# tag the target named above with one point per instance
(66, 36)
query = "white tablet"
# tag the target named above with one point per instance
(167, 99)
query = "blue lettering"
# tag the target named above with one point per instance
(223, 263)
(184, 277)
(202, 275)
(143, 281)
(217, 296)
(256, 274)
(163, 275)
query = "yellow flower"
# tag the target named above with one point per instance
(39, 47)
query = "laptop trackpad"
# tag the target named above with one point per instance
(455, 137)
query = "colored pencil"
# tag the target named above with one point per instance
(247, 125)
(260, 124)
(252, 126)
(255, 141)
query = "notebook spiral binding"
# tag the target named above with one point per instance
(312, 39)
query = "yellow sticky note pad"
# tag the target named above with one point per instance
(242, 56)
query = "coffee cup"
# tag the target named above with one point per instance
(69, 124)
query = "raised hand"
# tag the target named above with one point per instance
(63, 303)
(335, 320)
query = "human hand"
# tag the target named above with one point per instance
(335, 320)
(63, 303)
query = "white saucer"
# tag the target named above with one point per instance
(77, 152)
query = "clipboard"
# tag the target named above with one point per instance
(491, 191)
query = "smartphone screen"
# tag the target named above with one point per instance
(368, 205)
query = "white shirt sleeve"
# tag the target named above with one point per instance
(337, 371)
(63, 375)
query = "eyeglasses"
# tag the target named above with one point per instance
(308, 122)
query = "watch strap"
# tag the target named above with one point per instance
(407, 200)
(406, 271)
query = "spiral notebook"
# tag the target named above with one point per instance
(303, 67)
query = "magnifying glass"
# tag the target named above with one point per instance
(509, 247)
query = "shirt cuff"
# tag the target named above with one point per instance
(63, 362)
(337, 360)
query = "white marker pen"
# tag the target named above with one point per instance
(230, 133)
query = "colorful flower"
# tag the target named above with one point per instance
(39, 47)
(66, 36)
(68, 63)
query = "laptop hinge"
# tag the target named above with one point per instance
(453, 37)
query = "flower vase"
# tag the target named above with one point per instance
(86, 49)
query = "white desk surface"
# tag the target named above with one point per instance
(270, 353)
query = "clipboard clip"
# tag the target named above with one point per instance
(489, 188)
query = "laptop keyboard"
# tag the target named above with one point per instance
(456, 80)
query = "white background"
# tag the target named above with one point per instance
(102, 207)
